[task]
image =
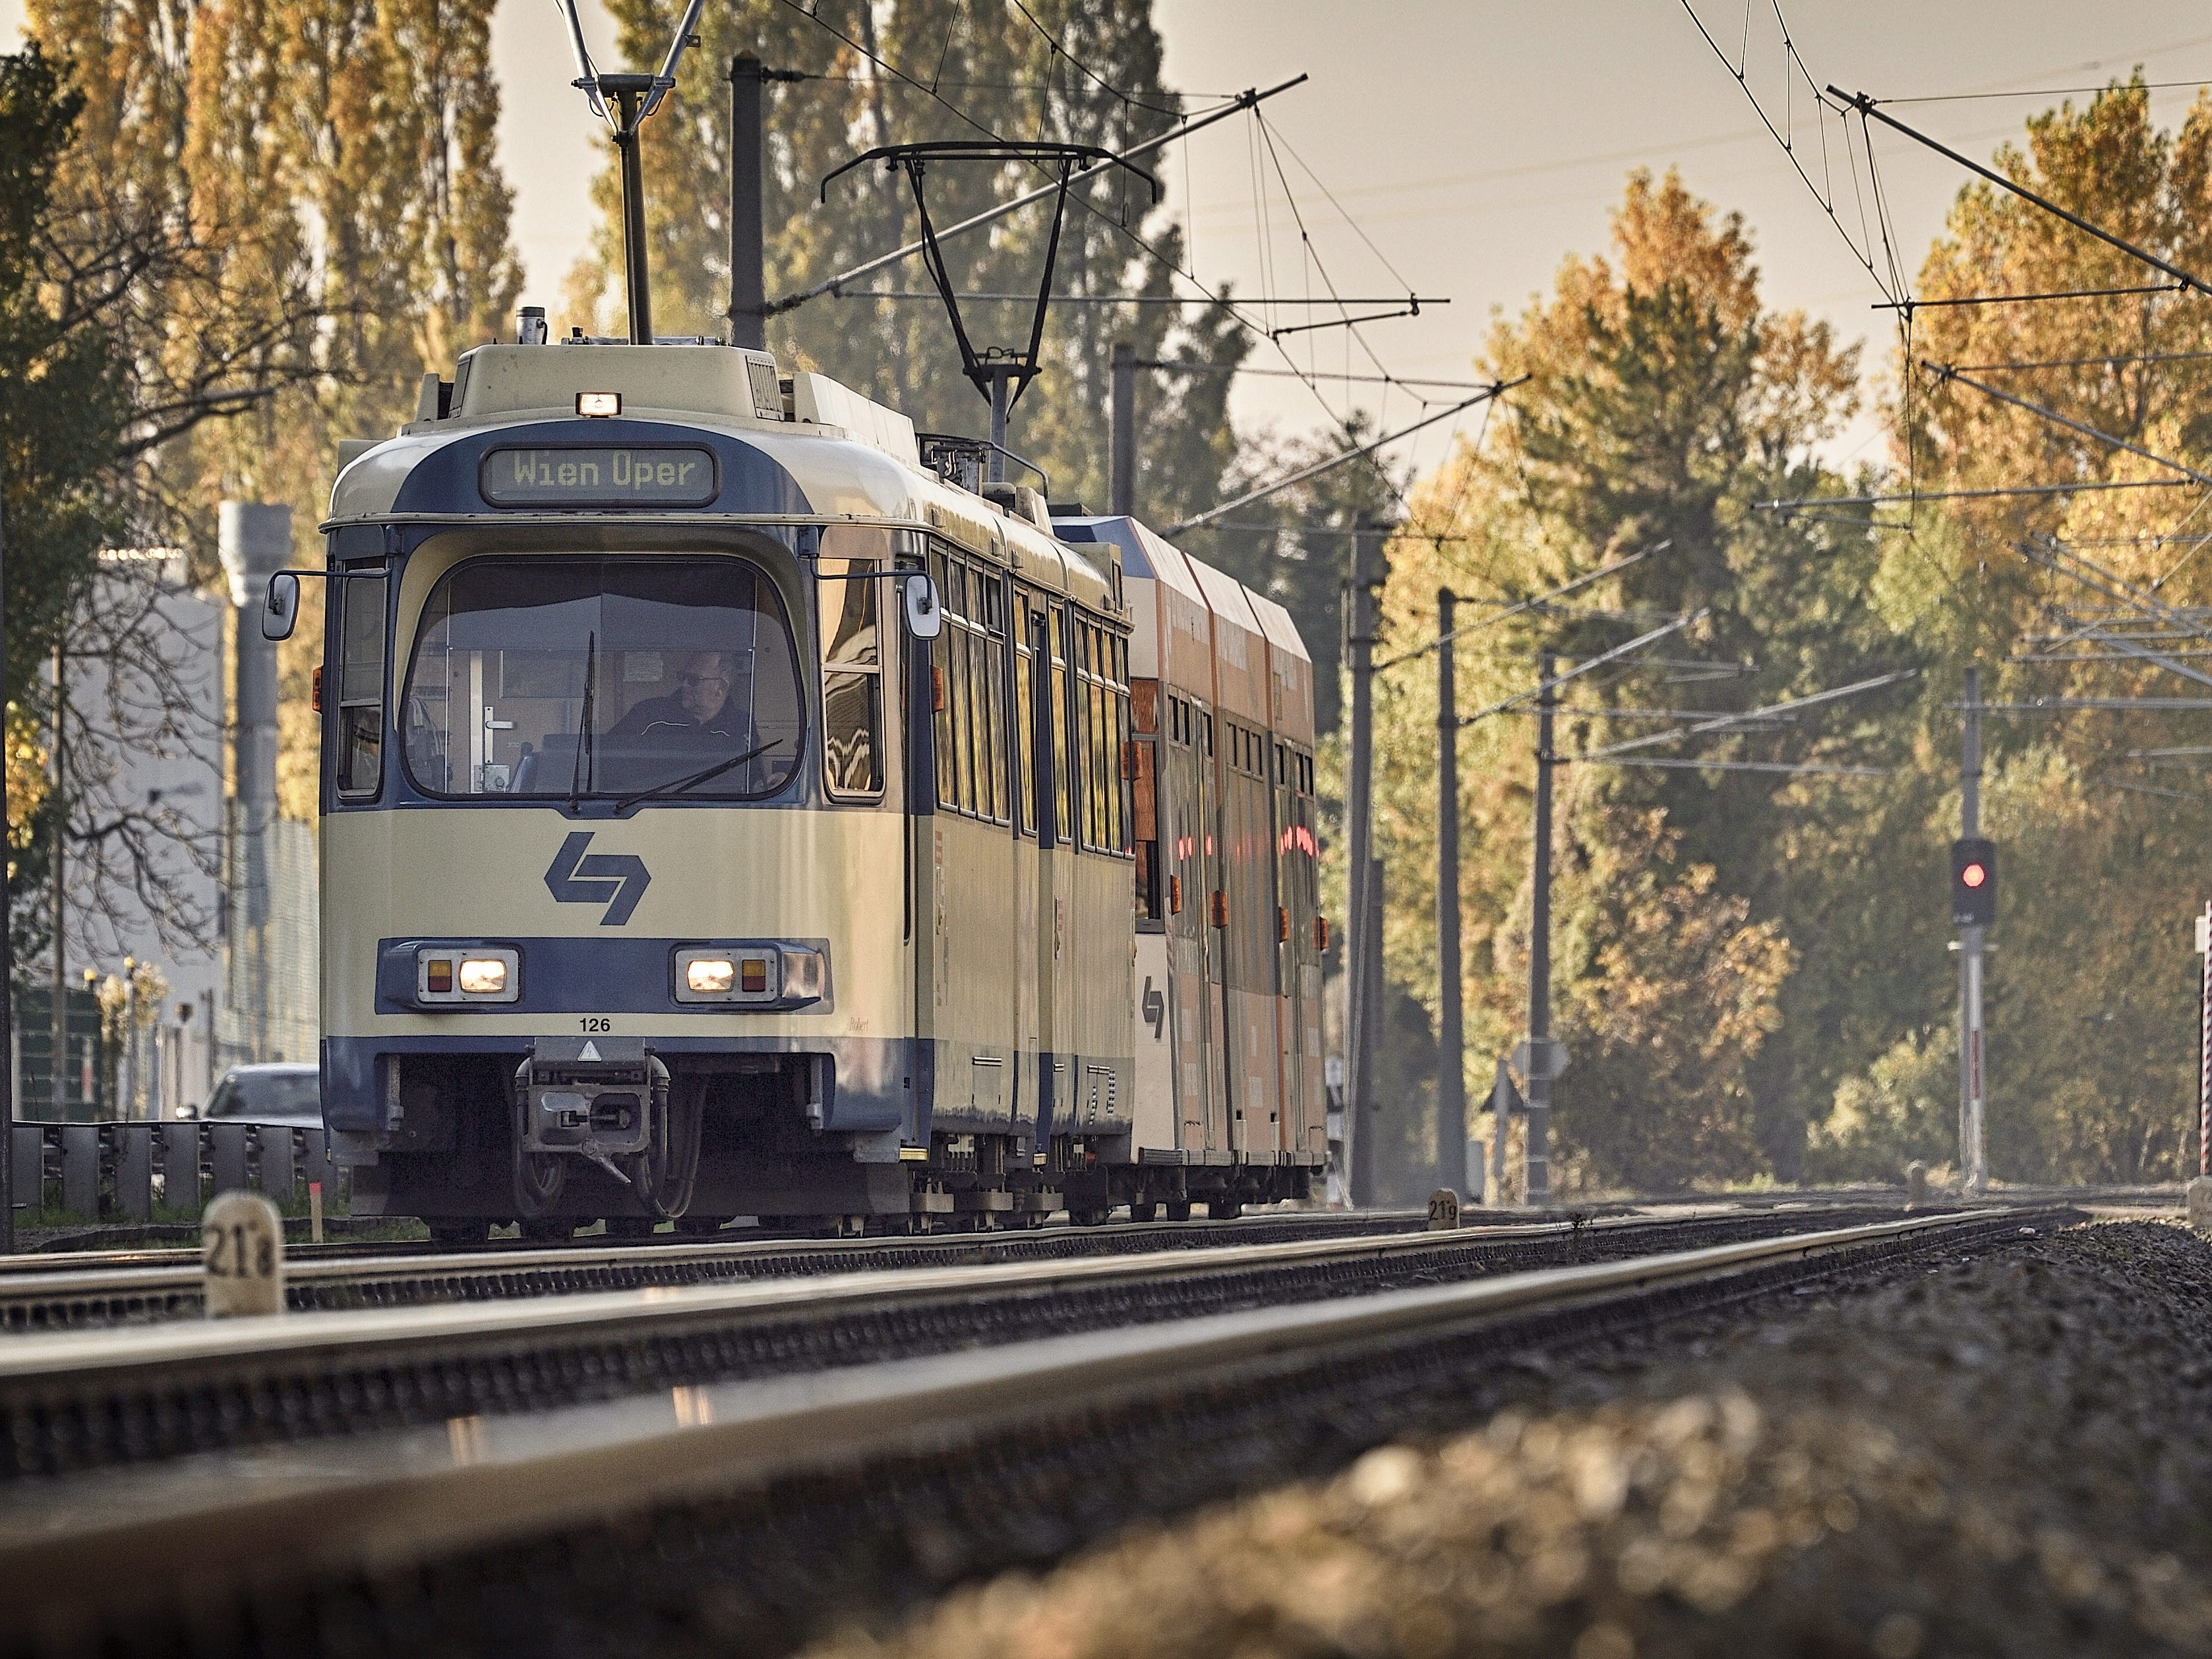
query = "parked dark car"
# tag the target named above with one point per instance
(290, 1095)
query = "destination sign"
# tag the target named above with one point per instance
(627, 475)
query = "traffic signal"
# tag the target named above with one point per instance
(1973, 883)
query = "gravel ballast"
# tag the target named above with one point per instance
(2008, 1454)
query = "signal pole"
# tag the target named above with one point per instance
(1451, 1080)
(1539, 1182)
(1972, 1078)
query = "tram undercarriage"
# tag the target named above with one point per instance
(554, 1141)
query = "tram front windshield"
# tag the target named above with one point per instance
(591, 678)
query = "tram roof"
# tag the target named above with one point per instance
(844, 456)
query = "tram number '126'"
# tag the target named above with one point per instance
(596, 1023)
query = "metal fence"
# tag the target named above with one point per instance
(95, 1172)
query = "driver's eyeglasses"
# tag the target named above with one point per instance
(706, 679)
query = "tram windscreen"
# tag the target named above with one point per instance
(597, 677)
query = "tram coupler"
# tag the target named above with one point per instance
(594, 1098)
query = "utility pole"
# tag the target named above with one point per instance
(1451, 1080)
(1360, 1023)
(748, 245)
(1973, 1080)
(6, 966)
(1539, 1182)
(58, 1016)
(1121, 491)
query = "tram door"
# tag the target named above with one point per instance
(1045, 633)
(1221, 1029)
(1031, 746)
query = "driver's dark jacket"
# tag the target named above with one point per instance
(669, 713)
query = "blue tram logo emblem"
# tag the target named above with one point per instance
(617, 881)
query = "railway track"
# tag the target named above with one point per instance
(409, 1536)
(91, 1289)
(96, 1288)
(71, 1401)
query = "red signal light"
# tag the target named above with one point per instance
(1973, 875)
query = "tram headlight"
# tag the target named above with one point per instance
(709, 976)
(757, 973)
(484, 976)
(449, 974)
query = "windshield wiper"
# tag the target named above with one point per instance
(706, 776)
(577, 773)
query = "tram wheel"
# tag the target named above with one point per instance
(701, 1226)
(452, 1231)
(1178, 1209)
(548, 1229)
(1224, 1209)
(630, 1226)
(1146, 1212)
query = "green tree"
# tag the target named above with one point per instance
(1664, 401)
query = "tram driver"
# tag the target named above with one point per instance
(701, 707)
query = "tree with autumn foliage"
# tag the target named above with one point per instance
(1696, 975)
(265, 221)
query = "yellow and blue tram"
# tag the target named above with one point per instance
(731, 806)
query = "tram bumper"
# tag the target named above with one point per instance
(593, 1098)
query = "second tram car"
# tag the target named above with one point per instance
(728, 809)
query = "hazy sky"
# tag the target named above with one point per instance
(1477, 143)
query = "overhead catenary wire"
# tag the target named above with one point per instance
(1544, 688)
(1721, 722)
(1910, 305)
(1247, 100)
(1868, 108)
(1200, 520)
(1518, 607)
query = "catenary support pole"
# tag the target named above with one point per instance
(1359, 645)
(1451, 1078)
(1972, 1061)
(637, 285)
(7, 964)
(995, 468)
(2204, 1041)
(748, 241)
(1121, 491)
(1539, 1182)
(57, 1020)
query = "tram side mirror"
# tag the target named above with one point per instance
(282, 611)
(925, 612)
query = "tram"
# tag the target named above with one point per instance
(732, 806)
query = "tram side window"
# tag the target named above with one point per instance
(941, 691)
(987, 664)
(1066, 784)
(851, 679)
(361, 686)
(1025, 732)
(970, 663)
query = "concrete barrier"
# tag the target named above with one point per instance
(134, 1171)
(180, 1167)
(81, 1169)
(276, 1163)
(30, 1166)
(229, 1154)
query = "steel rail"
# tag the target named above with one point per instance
(63, 1292)
(216, 1534)
(650, 1284)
